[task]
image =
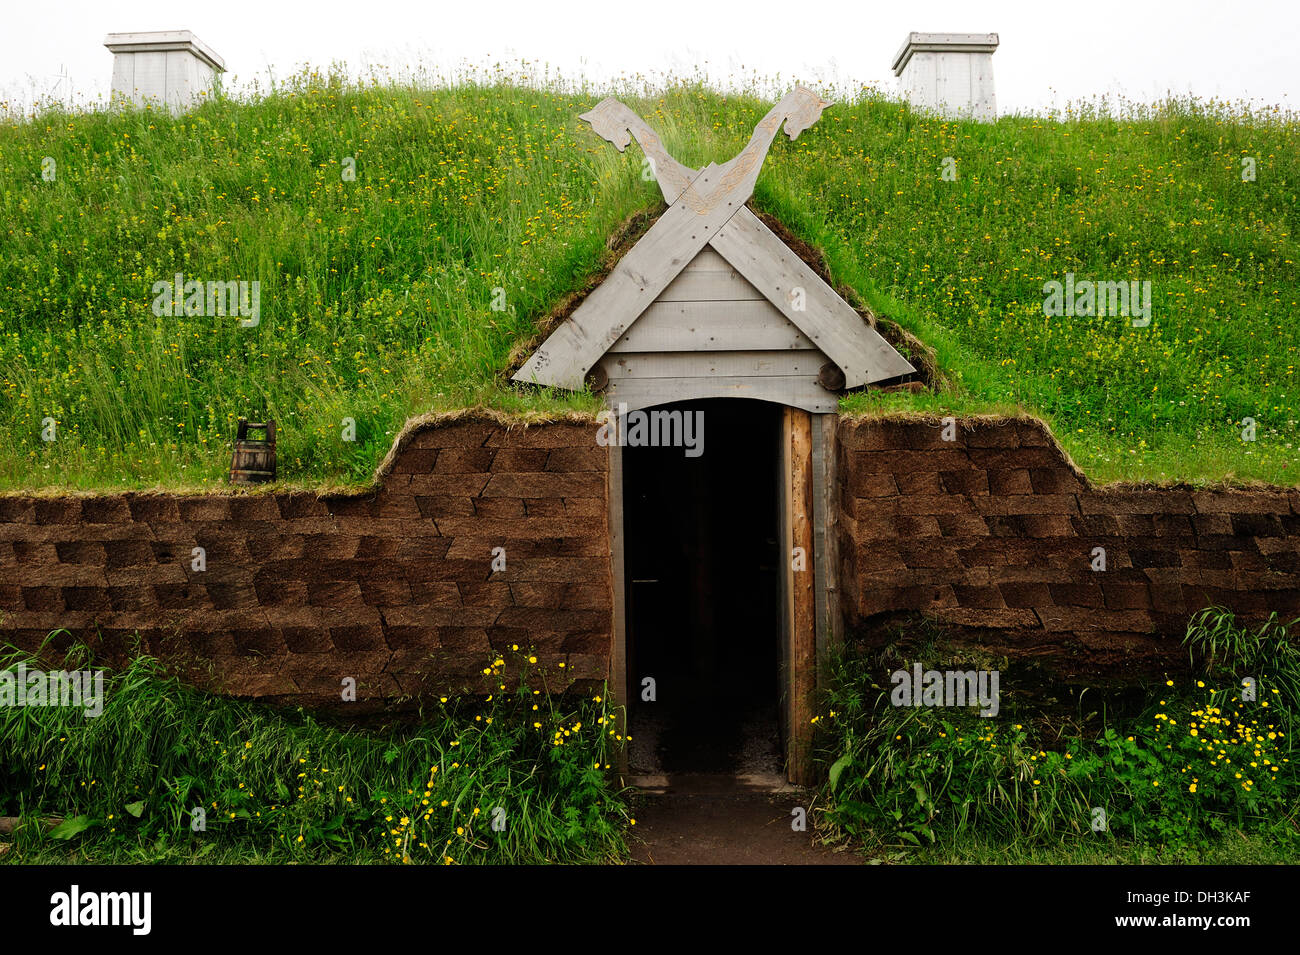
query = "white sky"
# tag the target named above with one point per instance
(1050, 52)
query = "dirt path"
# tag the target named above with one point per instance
(702, 820)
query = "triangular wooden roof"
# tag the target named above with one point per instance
(764, 261)
(707, 210)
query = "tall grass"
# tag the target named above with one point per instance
(1226, 649)
(1202, 761)
(377, 293)
(472, 780)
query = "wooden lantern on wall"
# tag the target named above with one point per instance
(254, 458)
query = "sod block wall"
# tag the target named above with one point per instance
(393, 588)
(993, 535)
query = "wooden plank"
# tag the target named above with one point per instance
(709, 260)
(718, 364)
(712, 326)
(618, 685)
(799, 392)
(786, 577)
(827, 319)
(803, 633)
(711, 286)
(564, 358)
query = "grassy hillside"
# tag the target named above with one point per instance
(376, 294)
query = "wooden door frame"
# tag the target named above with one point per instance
(809, 609)
(799, 592)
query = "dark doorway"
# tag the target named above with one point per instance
(703, 594)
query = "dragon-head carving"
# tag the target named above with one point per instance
(803, 108)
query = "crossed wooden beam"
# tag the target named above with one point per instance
(703, 189)
(707, 207)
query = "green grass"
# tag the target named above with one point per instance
(1236, 848)
(906, 785)
(376, 294)
(522, 777)
(1200, 772)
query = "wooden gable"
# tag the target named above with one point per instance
(743, 317)
(712, 334)
(710, 302)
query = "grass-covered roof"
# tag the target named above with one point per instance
(377, 293)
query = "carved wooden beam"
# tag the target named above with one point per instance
(615, 122)
(707, 207)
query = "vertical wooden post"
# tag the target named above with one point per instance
(800, 625)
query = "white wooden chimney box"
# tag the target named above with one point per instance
(173, 68)
(950, 74)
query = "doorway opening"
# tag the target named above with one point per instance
(703, 579)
